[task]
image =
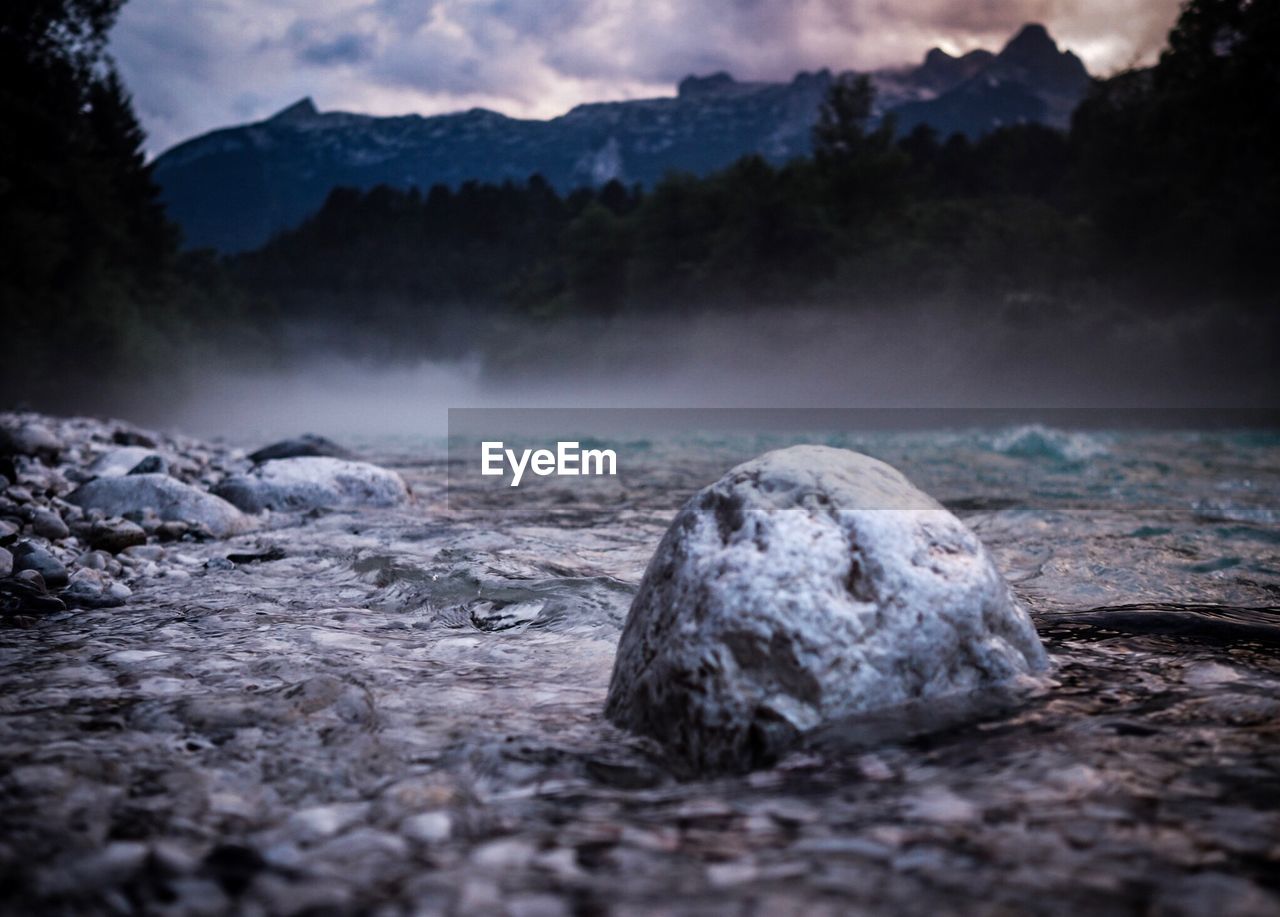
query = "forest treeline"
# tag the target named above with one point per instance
(1163, 194)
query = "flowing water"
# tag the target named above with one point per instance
(403, 714)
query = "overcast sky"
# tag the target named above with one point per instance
(194, 66)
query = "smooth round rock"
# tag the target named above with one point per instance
(312, 482)
(308, 444)
(93, 589)
(30, 556)
(168, 497)
(171, 531)
(806, 586)
(115, 535)
(29, 438)
(48, 524)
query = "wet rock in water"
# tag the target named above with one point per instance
(152, 464)
(308, 444)
(29, 438)
(27, 595)
(169, 498)
(115, 535)
(496, 616)
(267, 555)
(119, 462)
(313, 482)
(30, 556)
(48, 524)
(803, 587)
(8, 532)
(6, 562)
(95, 589)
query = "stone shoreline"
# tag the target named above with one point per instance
(88, 507)
(399, 710)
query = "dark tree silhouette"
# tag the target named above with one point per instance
(86, 247)
(1178, 163)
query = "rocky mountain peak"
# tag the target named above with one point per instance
(1032, 41)
(302, 110)
(941, 70)
(694, 86)
(936, 57)
(1033, 57)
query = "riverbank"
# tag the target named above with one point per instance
(398, 709)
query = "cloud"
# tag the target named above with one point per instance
(196, 66)
(343, 49)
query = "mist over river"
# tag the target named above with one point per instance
(400, 710)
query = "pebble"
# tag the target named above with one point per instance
(318, 822)
(48, 524)
(95, 589)
(29, 438)
(116, 535)
(308, 444)
(940, 805)
(148, 552)
(503, 854)
(171, 530)
(427, 827)
(30, 556)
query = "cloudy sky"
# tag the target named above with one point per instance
(194, 66)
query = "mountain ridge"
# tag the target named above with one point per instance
(233, 188)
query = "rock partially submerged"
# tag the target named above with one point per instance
(91, 588)
(806, 586)
(313, 482)
(168, 497)
(27, 595)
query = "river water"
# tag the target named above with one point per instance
(403, 715)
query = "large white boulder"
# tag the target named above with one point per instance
(310, 482)
(171, 500)
(808, 585)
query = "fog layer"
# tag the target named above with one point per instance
(889, 357)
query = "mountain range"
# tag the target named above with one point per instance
(232, 189)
